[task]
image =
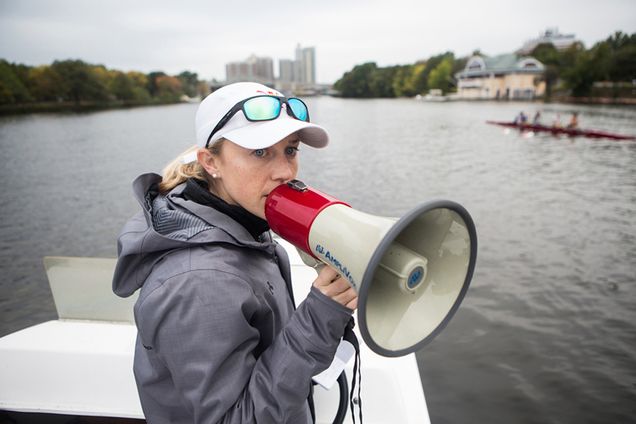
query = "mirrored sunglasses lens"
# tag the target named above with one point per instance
(261, 108)
(299, 109)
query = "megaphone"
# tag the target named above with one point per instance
(410, 274)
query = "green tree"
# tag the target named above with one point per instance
(419, 78)
(140, 86)
(22, 72)
(12, 89)
(581, 75)
(623, 60)
(81, 80)
(403, 81)
(355, 83)
(440, 76)
(422, 70)
(46, 84)
(138, 78)
(381, 82)
(189, 82)
(122, 86)
(152, 83)
(601, 57)
(547, 54)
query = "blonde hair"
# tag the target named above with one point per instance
(177, 172)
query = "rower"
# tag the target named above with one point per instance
(522, 118)
(574, 121)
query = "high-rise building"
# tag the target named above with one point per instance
(256, 69)
(299, 71)
(298, 74)
(305, 65)
(308, 60)
(237, 71)
(286, 72)
(263, 68)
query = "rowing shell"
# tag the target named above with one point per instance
(572, 132)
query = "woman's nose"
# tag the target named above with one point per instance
(284, 170)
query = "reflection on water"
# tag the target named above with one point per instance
(546, 332)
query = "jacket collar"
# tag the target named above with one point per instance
(230, 230)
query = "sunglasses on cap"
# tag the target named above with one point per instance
(264, 108)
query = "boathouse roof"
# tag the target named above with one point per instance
(481, 65)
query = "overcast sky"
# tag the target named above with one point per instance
(202, 36)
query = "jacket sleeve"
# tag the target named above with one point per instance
(201, 329)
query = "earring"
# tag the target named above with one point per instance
(214, 176)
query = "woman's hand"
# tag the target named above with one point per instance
(332, 285)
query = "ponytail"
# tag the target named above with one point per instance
(177, 172)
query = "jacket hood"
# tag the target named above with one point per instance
(166, 223)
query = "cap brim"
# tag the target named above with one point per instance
(260, 135)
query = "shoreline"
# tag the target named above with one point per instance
(82, 106)
(89, 106)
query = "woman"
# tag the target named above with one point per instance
(218, 337)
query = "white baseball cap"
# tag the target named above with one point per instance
(248, 134)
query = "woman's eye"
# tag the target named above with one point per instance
(259, 153)
(291, 151)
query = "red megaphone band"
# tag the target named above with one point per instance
(290, 210)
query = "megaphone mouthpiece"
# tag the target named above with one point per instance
(291, 209)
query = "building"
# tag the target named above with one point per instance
(256, 69)
(286, 72)
(306, 65)
(506, 76)
(295, 76)
(549, 36)
(298, 75)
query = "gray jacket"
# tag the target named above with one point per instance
(218, 337)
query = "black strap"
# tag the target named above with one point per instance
(310, 401)
(350, 336)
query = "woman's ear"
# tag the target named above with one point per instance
(208, 161)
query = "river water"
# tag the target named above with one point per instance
(547, 331)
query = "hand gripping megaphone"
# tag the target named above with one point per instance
(410, 274)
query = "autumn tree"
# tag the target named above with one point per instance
(77, 81)
(168, 88)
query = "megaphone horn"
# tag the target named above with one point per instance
(410, 274)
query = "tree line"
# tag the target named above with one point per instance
(369, 80)
(606, 69)
(78, 82)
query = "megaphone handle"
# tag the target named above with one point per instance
(310, 261)
(349, 336)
